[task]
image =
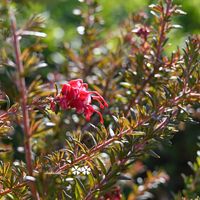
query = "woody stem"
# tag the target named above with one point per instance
(23, 94)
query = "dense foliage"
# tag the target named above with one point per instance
(127, 80)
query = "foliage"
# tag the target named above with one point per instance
(192, 186)
(60, 155)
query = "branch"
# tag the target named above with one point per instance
(158, 55)
(99, 147)
(23, 94)
(103, 181)
(93, 151)
(2, 193)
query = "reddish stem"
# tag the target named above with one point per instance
(92, 151)
(23, 94)
(99, 147)
(161, 39)
(2, 193)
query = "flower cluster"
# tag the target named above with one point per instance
(74, 94)
(86, 170)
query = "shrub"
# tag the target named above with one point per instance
(49, 150)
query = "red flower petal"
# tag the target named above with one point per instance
(74, 94)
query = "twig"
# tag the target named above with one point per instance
(7, 191)
(157, 63)
(101, 184)
(23, 94)
(101, 146)
(93, 151)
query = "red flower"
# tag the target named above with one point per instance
(74, 94)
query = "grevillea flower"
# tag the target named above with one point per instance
(74, 94)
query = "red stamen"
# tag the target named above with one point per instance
(74, 94)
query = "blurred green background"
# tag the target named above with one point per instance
(61, 27)
(62, 23)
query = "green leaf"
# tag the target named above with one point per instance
(99, 132)
(115, 118)
(133, 114)
(125, 177)
(96, 172)
(91, 180)
(156, 8)
(167, 91)
(176, 26)
(125, 85)
(69, 144)
(112, 155)
(137, 133)
(112, 133)
(180, 12)
(101, 165)
(5, 102)
(154, 13)
(154, 154)
(109, 184)
(150, 98)
(82, 146)
(80, 187)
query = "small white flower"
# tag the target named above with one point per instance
(76, 170)
(85, 170)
